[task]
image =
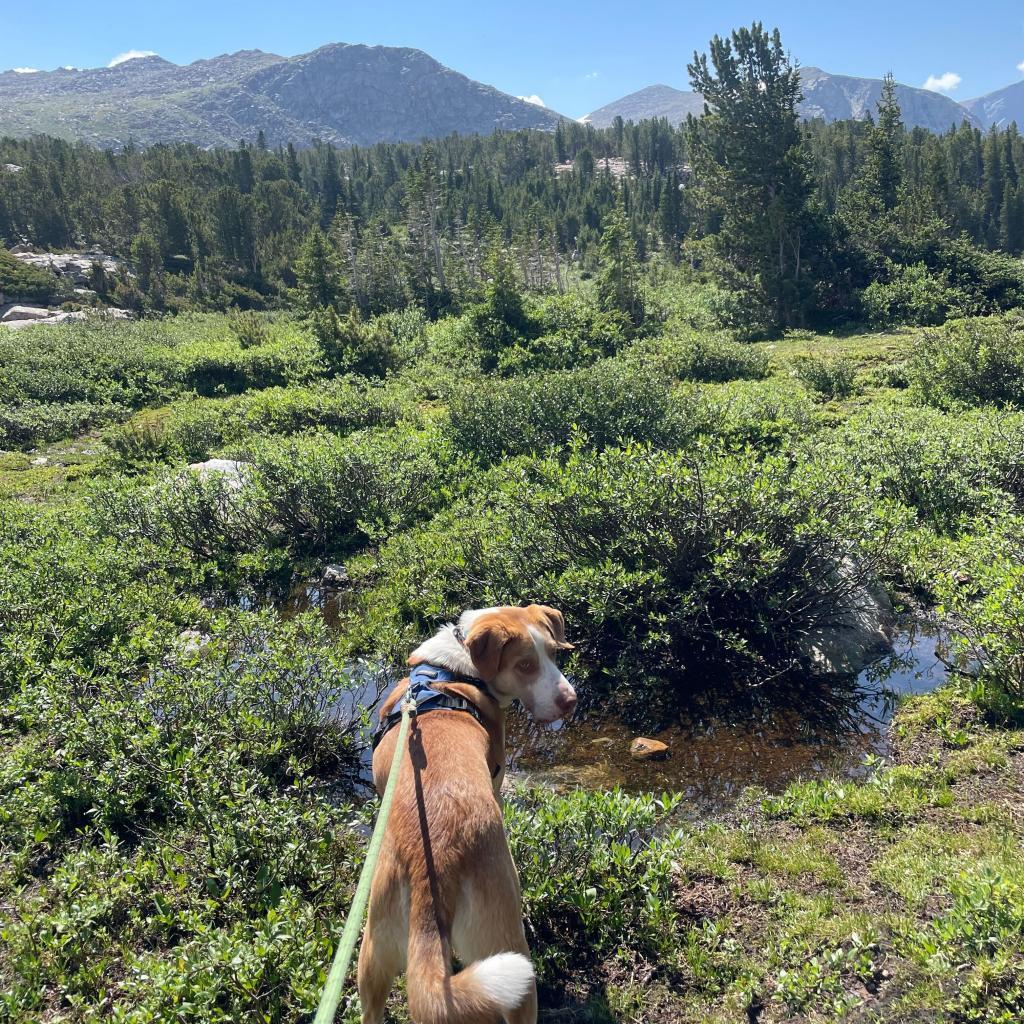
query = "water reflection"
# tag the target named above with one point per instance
(715, 756)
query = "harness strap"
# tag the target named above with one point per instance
(426, 698)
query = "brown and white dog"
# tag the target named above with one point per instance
(445, 883)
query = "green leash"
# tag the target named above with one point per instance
(354, 923)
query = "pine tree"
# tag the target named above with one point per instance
(883, 169)
(318, 271)
(751, 169)
(618, 282)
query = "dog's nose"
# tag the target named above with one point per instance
(566, 701)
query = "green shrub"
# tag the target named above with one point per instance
(912, 295)
(123, 363)
(573, 331)
(600, 884)
(312, 494)
(30, 423)
(709, 359)
(984, 282)
(250, 329)
(191, 430)
(830, 378)
(351, 346)
(606, 402)
(987, 622)
(667, 565)
(20, 281)
(761, 414)
(951, 470)
(970, 362)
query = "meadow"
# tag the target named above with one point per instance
(182, 816)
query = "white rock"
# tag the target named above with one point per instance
(860, 632)
(24, 313)
(234, 472)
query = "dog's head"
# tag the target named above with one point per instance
(514, 652)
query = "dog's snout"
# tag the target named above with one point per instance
(566, 699)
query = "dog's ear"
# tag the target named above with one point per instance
(485, 642)
(552, 618)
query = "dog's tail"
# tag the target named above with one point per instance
(485, 990)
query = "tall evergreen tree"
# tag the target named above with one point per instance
(618, 282)
(751, 169)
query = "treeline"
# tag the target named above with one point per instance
(911, 214)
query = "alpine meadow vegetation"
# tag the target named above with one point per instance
(703, 469)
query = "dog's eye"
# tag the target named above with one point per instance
(526, 665)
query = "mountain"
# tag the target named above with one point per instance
(654, 101)
(1000, 108)
(831, 97)
(340, 93)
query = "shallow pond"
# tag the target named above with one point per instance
(713, 757)
(711, 760)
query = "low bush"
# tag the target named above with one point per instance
(601, 884)
(312, 494)
(759, 414)
(607, 402)
(912, 295)
(20, 281)
(830, 378)
(191, 430)
(572, 332)
(30, 423)
(668, 565)
(702, 358)
(970, 362)
(951, 470)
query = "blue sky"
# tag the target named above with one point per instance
(574, 56)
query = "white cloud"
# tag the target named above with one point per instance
(1020, 66)
(942, 83)
(130, 55)
(534, 99)
(593, 74)
(25, 71)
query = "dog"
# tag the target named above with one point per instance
(445, 883)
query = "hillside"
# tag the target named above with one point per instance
(830, 97)
(340, 93)
(1000, 108)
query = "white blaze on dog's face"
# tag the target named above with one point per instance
(514, 651)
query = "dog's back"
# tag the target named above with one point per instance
(446, 880)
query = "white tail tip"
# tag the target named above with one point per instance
(505, 977)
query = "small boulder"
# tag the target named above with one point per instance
(25, 313)
(335, 576)
(643, 749)
(233, 472)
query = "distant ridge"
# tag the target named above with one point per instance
(830, 97)
(1000, 108)
(340, 93)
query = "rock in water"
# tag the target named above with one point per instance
(860, 630)
(335, 576)
(643, 749)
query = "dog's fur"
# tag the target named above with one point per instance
(445, 882)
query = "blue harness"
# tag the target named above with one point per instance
(427, 698)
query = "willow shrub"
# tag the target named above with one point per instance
(667, 564)
(607, 402)
(970, 362)
(309, 495)
(194, 429)
(956, 471)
